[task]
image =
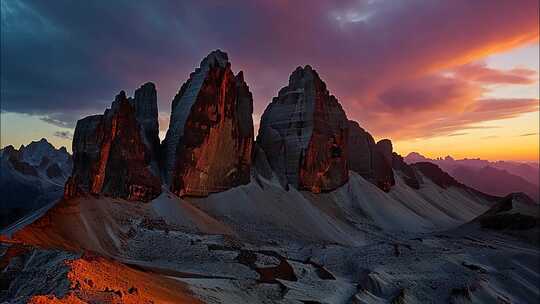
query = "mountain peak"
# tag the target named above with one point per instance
(215, 58)
(303, 132)
(114, 155)
(210, 124)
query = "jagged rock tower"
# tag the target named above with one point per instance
(303, 133)
(113, 153)
(208, 145)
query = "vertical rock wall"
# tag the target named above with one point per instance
(210, 137)
(110, 156)
(304, 134)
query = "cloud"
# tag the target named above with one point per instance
(479, 72)
(419, 124)
(458, 134)
(529, 134)
(434, 92)
(64, 134)
(64, 59)
(56, 122)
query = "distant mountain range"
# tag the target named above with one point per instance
(495, 178)
(31, 177)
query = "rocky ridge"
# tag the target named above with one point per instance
(305, 140)
(31, 177)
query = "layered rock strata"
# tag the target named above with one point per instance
(209, 142)
(112, 155)
(304, 134)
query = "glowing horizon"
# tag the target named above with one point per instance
(469, 89)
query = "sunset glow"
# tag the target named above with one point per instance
(468, 88)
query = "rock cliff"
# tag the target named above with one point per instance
(112, 156)
(304, 134)
(209, 142)
(373, 161)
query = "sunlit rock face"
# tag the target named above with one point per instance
(304, 134)
(209, 142)
(112, 156)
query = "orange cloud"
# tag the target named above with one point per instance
(426, 123)
(430, 93)
(479, 72)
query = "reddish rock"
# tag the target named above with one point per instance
(86, 148)
(304, 134)
(73, 187)
(110, 156)
(209, 142)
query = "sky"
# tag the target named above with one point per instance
(440, 77)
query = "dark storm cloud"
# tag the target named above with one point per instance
(65, 57)
(61, 59)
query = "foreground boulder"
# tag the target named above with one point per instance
(208, 145)
(304, 134)
(113, 156)
(45, 276)
(516, 214)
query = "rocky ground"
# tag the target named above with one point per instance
(203, 251)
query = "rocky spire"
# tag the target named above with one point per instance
(383, 173)
(144, 102)
(208, 145)
(304, 134)
(111, 157)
